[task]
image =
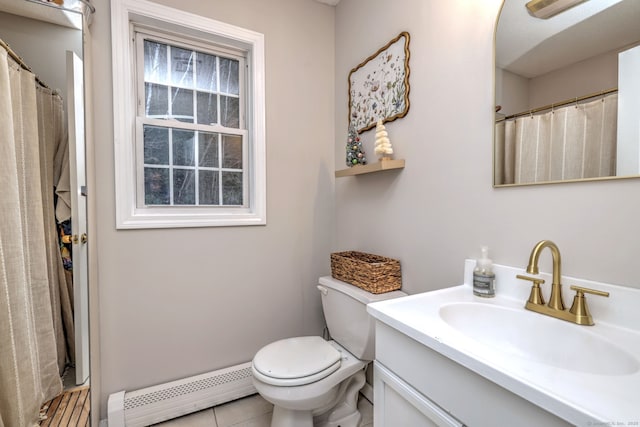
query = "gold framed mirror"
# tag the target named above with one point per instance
(567, 91)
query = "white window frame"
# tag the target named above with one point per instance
(125, 15)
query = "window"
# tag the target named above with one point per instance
(190, 136)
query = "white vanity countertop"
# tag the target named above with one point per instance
(582, 397)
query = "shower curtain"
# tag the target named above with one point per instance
(32, 285)
(573, 142)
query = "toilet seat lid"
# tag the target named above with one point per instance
(299, 360)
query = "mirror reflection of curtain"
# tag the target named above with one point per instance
(504, 155)
(32, 354)
(572, 142)
(53, 153)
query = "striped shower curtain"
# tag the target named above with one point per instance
(572, 142)
(31, 355)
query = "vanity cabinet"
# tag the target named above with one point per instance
(417, 386)
(397, 403)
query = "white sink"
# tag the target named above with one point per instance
(576, 372)
(543, 339)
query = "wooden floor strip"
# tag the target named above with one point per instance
(80, 415)
(51, 407)
(69, 409)
(62, 407)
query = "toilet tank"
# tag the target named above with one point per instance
(345, 311)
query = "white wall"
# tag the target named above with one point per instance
(441, 208)
(582, 78)
(175, 303)
(517, 94)
(512, 92)
(43, 47)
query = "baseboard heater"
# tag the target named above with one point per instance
(177, 398)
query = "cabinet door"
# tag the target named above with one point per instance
(398, 404)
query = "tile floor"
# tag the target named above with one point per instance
(252, 411)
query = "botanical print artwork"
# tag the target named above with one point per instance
(379, 87)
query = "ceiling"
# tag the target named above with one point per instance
(530, 46)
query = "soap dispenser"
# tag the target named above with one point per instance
(483, 276)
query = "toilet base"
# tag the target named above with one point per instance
(341, 413)
(345, 413)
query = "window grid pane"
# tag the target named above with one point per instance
(206, 72)
(156, 145)
(229, 76)
(184, 186)
(156, 100)
(195, 168)
(203, 168)
(173, 72)
(156, 186)
(181, 67)
(155, 62)
(231, 188)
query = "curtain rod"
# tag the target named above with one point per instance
(21, 62)
(559, 104)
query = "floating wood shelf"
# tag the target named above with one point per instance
(373, 167)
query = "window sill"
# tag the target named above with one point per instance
(167, 220)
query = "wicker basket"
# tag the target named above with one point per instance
(373, 273)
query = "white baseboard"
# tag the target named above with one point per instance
(162, 402)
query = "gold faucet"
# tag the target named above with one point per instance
(579, 312)
(555, 300)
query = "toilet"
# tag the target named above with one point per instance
(311, 381)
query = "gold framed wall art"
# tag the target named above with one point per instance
(379, 86)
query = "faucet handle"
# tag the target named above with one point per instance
(536, 294)
(580, 290)
(579, 307)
